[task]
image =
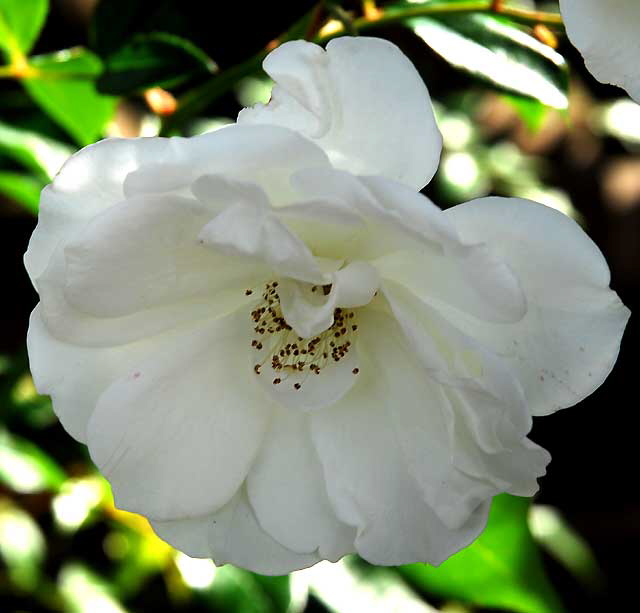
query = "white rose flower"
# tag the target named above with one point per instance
(607, 34)
(279, 352)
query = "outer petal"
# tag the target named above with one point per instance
(346, 99)
(288, 493)
(569, 340)
(368, 478)
(177, 436)
(75, 377)
(467, 442)
(233, 536)
(606, 33)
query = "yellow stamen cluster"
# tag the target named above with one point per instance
(291, 354)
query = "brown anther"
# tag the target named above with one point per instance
(248, 292)
(297, 386)
(355, 371)
(276, 381)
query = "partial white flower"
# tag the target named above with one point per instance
(606, 34)
(278, 360)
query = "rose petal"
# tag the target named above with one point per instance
(174, 438)
(606, 33)
(368, 479)
(442, 431)
(144, 253)
(336, 98)
(233, 536)
(569, 340)
(288, 494)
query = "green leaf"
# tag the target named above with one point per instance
(152, 59)
(532, 112)
(41, 155)
(498, 51)
(24, 189)
(25, 468)
(20, 24)
(501, 569)
(64, 88)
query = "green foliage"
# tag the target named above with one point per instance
(66, 92)
(26, 468)
(499, 52)
(501, 569)
(153, 59)
(25, 190)
(20, 24)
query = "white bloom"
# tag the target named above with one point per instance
(607, 33)
(280, 352)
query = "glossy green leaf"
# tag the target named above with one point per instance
(501, 569)
(23, 189)
(498, 51)
(153, 59)
(41, 155)
(26, 468)
(65, 90)
(20, 24)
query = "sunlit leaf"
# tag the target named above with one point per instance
(84, 591)
(498, 51)
(353, 585)
(569, 548)
(22, 546)
(152, 59)
(502, 569)
(66, 92)
(20, 24)
(41, 155)
(26, 468)
(23, 189)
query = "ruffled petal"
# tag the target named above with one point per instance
(101, 175)
(336, 98)
(568, 342)
(233, 536)
(266, 155)
(287, 491)
(368, 475)
(606, 33)
(250, 228)
(176, 437)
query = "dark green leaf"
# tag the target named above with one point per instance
(498, 51)
(65, 90)
(152, 59)
(502, 569)
(25, 190)
(20, 24)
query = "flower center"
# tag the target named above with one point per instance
(285, 351)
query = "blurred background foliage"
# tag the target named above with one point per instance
(519, 116)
